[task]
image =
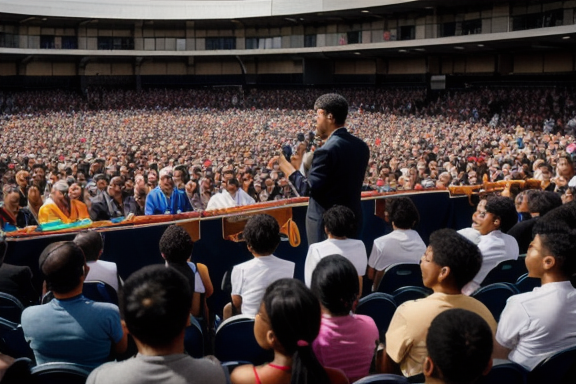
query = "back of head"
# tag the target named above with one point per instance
(335, 284)
(335, 104)
(62, 265)
(558, 239)
(262, 234)
(402, 212)
(294, 315)
(542, 202)
(450, 249)
(91, 244)
(176, 244)
(504, 208)
(459, 343)
(340, 221)
(156, 303)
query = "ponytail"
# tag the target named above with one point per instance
(306, 368)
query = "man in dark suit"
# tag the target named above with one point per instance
(337, 170)
(16, 280)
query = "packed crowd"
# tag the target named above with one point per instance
(204, 137)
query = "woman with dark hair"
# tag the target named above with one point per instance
(402, 245)
(346, 341)
(288, 322)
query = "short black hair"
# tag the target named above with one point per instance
(262, 234)
(176, 244)
(558, 240)
(62, 264)
(335, 284)
(402, 212)
(335, 104)
(450, 249)
(504, 208)
(233, 181)
(340, 221)
(91, 244)
(459, 343)
(155, 304)
(542, 202)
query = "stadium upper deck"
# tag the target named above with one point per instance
(310, 41)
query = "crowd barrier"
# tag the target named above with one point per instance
(217, 234)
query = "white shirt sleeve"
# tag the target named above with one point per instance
(236, 279)
(312, 259)
(375, 256)
(512, 321)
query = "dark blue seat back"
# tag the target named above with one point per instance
(12, 342)
(494, 297)
(559, 368)
(383, 378)
(410, 293)
(235, 340)
(380, 307)
(527, 284)
(10, 308)
(507, 373)
(400, 275)
(60, 373)
(194, 339)
(508, 271)
(100, 291)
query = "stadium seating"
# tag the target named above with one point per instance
(400, 275)
(383, 378)
(12, 342)
(506, 373)
(559, 368)
(60, 373)
(194, 339)
(494, 297)
(527, 284)
(18, 372)
(380, 307)
(235, 341)
(410, 293)
(100, 291)
(508, 271)
(10, 307)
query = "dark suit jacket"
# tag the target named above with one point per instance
(17, 281)
(335, 177)
(99, 209)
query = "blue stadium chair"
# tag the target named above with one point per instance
(231, 365)
(60, 373)
(527, 284)
(18, 372)
(410, 293)
(12, 342)
(494, 297)
(383, 378)
(508, 271)
(10, 308)
(194, 339)
(380, 307)
(100, 291)
(506, 373)
(559, 368)
(235, 341)
(400, 275)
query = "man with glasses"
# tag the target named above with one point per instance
(165, 199)
(112, 203)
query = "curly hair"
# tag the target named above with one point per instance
(402, 212)
(504, 208)
(450, 249)
(176, 244)
(559, 240)
(335, 104)
(262, 234)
